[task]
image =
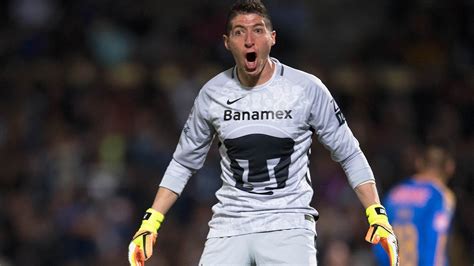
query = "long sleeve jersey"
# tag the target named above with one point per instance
(264, 135)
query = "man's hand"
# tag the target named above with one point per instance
(141, 247)
(381, 231)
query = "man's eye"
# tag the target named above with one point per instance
(237, 33)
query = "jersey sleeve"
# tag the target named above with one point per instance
(193, 146)
(329, 123)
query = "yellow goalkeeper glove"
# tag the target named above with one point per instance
(141, 247)
(381, 231)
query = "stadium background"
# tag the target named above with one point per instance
(93, 95)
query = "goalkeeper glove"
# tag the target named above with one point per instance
(381, 231)
(141, 247)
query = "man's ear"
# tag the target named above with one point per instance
(226, 41)
(450, 168)
(419, 164)
(273, 34)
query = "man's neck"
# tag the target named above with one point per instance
(430, 175)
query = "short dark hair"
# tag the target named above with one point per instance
(436, 155)
(247, 7)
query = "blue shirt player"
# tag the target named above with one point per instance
(420, 210)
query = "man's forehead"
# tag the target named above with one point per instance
(248, 20)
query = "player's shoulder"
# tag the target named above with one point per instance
(214, 85)
(300, 77)
(422, 192)
(220, 80)
(409, 192)
(313, 87)
(443, 193)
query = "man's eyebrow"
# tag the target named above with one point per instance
(238, 26)
(259, 24)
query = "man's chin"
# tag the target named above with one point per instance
(251, 71)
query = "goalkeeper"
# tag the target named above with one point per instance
(263, 114)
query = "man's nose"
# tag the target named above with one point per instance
(249, 40)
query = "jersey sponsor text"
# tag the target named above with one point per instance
(257, 115)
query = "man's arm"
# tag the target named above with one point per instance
(380, 230)
(164, 199)
(333, 132)
(189, 156)
(367, 194)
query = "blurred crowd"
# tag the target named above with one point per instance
(93, 96)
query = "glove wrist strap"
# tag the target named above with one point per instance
(152, 220)
(376, 213)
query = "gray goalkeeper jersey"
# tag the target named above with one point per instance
(264, 136)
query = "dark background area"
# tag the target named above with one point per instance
(93, 96)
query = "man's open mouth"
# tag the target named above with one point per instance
(251, 61)
(251, 57)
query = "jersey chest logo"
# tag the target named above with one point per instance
(260, 163)
(229, 102)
